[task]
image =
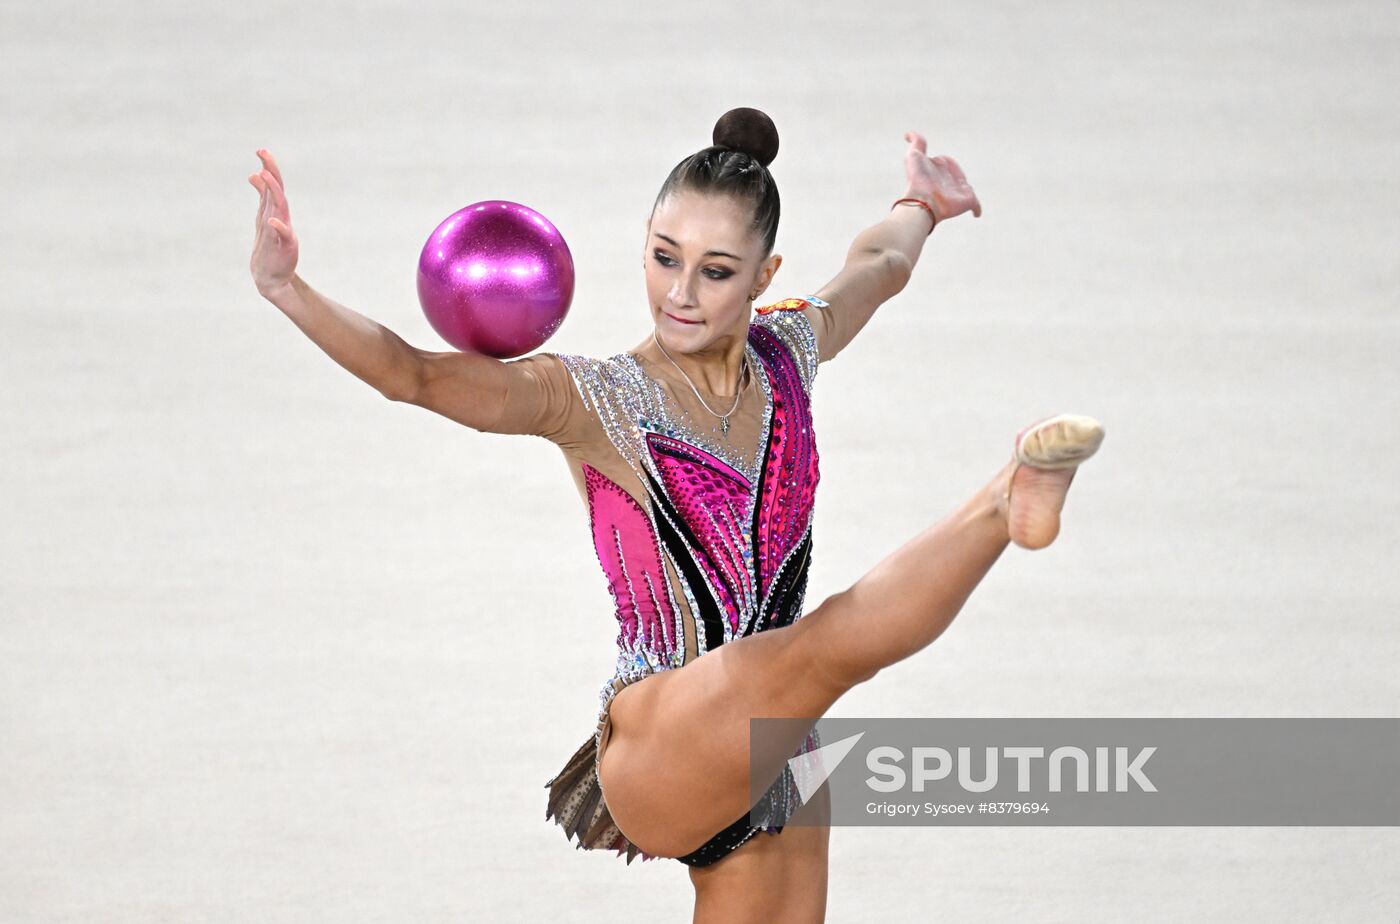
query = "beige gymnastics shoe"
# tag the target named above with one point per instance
(1047, 455)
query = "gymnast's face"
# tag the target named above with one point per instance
(702, 263)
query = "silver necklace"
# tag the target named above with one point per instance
(743, 380)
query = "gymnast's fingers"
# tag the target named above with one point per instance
(270, 163)
(257, 183)
(279, 207)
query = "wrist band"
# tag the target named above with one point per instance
(926, 207)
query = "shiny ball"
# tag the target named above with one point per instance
(496, 277)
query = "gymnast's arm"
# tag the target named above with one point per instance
(478, 391)
(532, 395)
(881, 259)
(878, 265)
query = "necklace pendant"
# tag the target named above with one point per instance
(724, 426)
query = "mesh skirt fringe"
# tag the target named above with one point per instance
(576, 804)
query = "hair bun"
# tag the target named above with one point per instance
(750, 131)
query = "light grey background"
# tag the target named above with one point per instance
(275, 649)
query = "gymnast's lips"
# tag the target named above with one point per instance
(678, 320)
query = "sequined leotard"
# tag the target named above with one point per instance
(700, 544)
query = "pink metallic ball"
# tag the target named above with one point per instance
(496, 278)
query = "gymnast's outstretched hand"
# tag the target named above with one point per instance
(275, 248)
(938, 180)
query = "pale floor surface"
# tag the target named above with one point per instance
(275, 649)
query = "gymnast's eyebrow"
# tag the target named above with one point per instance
(717, 253)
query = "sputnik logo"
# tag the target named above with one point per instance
(810, 770)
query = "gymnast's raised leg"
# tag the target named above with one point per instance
(687, 730)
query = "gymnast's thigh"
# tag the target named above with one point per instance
(779, 878)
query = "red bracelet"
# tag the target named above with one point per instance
(928, 208)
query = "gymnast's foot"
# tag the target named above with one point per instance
(1047, 455)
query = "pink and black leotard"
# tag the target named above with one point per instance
(703, 539)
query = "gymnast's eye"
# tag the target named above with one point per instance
(715, 274)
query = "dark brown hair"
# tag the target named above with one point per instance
(736, 165)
